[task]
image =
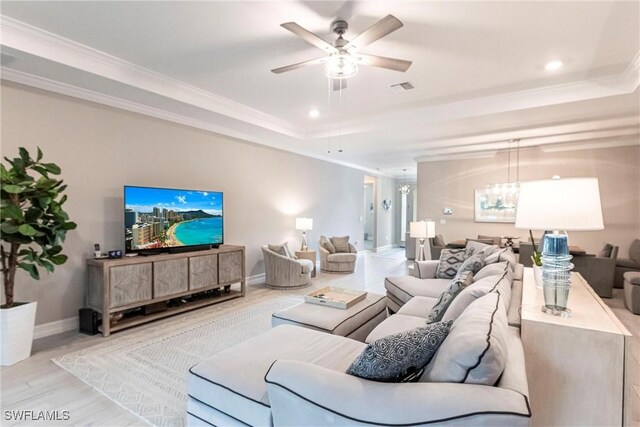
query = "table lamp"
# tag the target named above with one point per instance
(570, 204)
(421, 230)
(304, 224)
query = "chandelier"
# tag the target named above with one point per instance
(404, 188)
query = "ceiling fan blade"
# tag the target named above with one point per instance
(309, 37)
(339, 84)
(383, 62)
(385, 26)
(299, 65)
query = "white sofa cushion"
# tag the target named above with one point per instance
(505, 254)
(490, 270)
(406, 287)
(498, 281)
(418, 306)
(393, 325)
(232, 381)
(475, 351)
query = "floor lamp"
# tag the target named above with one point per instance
(570, 204)
(422, 230)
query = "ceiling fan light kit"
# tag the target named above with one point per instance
(343, 56)
(341, 66)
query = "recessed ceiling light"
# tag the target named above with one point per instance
(553, 65)
(314, 113)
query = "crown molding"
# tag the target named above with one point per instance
(456, 156)
(604, 143)
(620, 84)
(134, 107)
(35, 41)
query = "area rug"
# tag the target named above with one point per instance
(145, 371)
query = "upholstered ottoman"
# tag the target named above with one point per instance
(354, 322)
(632, 291)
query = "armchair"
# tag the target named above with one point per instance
(284, 272)
(624, 265)
(338, 262)
(436, 245)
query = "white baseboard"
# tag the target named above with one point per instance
(256, 279)
(56, 327)
(70, 324)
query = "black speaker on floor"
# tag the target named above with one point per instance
(89, 321)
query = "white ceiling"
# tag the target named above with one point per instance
(478, 69)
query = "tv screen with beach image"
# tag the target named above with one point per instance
(156, 218)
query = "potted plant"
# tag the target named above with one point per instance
(536, 259)
(33, 227)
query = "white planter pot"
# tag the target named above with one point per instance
(537, 275)
(16, 332)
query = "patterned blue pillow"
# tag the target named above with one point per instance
(396, 357)
(461, 281)
(450, 262)
(472, 264)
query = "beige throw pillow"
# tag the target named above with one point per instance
(341, 244)
(282, 249)
(326, 243)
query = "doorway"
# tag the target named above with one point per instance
(369, 222)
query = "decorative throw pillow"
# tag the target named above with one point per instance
(460, 282)
(439, 240)
(282, 249)
(475, 352)
(473, 264)
(341, 244)
(395, 357)
(326, 243)
(450, 262)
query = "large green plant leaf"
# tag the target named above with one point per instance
(27, 230)
(11, 188)
(12, 212)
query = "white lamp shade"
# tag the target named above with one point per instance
(304, 224)
(422, 229)
(560, 204)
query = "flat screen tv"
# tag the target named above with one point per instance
(167, 219)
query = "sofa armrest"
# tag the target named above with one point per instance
(425, 269)
(352, 249)
(304, 394)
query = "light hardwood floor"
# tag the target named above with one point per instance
(37, 384)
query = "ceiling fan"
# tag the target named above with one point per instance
(343, 57)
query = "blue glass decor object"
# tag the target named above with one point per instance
(556, 274)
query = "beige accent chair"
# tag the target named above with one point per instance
(339, 262)
(284, 272)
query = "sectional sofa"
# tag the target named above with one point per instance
(292, 376)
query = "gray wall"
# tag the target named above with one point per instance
(452, 184)
(100, 149)
(386, 229)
